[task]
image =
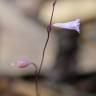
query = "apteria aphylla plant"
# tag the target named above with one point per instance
(23, 63)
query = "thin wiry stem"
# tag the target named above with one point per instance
(49, 28)
(36, 83)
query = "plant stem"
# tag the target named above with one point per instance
(36, 83)
(49, 28)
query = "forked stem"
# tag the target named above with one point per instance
(49, 28)
(37, 81)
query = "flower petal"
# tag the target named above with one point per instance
(73, 25)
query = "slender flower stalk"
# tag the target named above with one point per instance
(24, 63)
(37, 81)
(49, 28)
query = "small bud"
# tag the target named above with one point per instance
(23, 63)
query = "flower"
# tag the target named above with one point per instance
(73, 25)
(23, 63)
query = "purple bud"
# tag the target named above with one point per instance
(23, 63)
(73, 25)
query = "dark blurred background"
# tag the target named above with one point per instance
(69, 67)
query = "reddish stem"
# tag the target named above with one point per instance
(36, 74)
(49, 28)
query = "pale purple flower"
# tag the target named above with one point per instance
(73, 25)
